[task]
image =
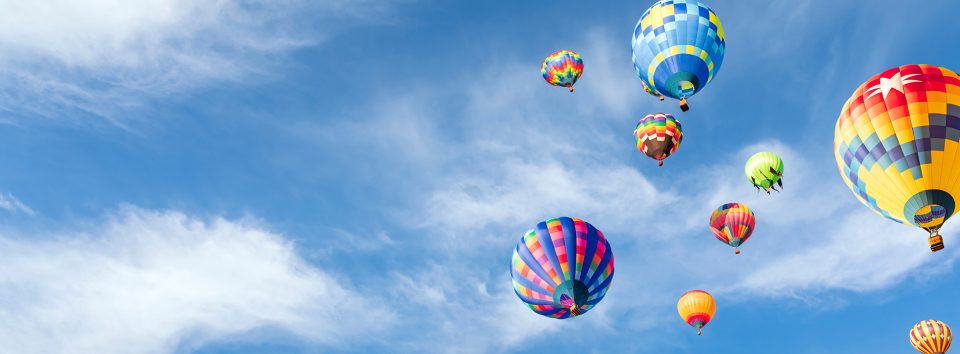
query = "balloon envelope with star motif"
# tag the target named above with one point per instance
(562, 268)
(896, 145)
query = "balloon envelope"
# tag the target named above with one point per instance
(764, 170)
(658, 135)
(678, 47)
(562, 267)
(696, 308)
(931, 337)
(562, 68)
(732, 223)
(896, 144)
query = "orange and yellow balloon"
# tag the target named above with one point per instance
(931, 337)
(696, 308)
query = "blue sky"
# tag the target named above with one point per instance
(351, 177)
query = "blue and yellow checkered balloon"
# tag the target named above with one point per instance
(678, 47)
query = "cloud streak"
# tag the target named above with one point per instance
(12, 204)
(110, 59)
(156, 282)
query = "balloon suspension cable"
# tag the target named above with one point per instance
(736, 250)
(935, 240)
(683, 104)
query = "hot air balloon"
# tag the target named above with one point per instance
(562, 68)
(658, 136)
(896, 145)
(562, 268)
(732, 223)
(764, 170)
(931, 337)
(678, 47)
(696, 308)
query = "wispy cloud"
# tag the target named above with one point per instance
(857, 255)
(104, 59)
(12, 204)
(156, 282)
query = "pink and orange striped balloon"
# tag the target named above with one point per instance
(733, 224)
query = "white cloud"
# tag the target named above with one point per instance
(519, 192)
(462, 312)
(858, 252)
(12, 204)
(104, 57)
(155, 282)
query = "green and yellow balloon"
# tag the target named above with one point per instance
(765, 171)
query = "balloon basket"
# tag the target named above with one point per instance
(683, 105)
(736, 251)
(571, 88)
(662, 98)
(659, 162)
(575, 311)
(936, 243)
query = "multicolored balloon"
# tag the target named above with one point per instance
(764, 170)
(562, 68)
(562, 268)
(658, 136)
(896, 146)
(696, 308)
(733, 224)
(678, 47)
(931, 337)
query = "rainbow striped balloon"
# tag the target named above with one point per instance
(562, 68)
(732, 223)
(931, 337)
(658, 136)
(562, 268)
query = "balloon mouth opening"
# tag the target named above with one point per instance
(682, 85)
(930, 217)
(571, 295)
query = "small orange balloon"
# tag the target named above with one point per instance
(696, 308)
